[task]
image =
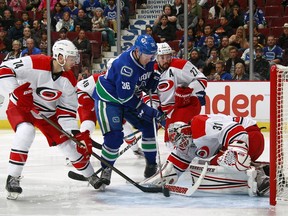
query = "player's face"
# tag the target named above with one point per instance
(164, 61)
(70, 62)
(145, 59)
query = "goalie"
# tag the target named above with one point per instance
(231, 145)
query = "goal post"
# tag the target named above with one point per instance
(278, 134)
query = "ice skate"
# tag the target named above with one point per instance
(263, 181)
(13, 187)
(150, 170)
(139, 153)
(93, 180)
(104, 179)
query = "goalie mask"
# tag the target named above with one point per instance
(179, 134)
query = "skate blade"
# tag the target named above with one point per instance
(12, 195)
(102, 188)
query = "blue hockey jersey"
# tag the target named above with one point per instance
(124, 81)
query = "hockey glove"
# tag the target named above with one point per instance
(201, 96)
(147, 113)
(183, 96)
(153, 81)
(86, 149)
(24, 97)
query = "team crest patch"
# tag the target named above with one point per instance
(115, 119)
(126, 71)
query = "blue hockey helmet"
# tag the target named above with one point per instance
(146, 45)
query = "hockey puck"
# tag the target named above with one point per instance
(166, 192)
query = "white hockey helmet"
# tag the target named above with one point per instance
(65, 48)
(180, 134)
(163, 49)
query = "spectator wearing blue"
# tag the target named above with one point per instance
(31, 49)
(72, 9)
(208, 31)
(259, 17)
(221, 74)
(89, 6)
(272, 52)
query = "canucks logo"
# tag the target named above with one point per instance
(126, 71)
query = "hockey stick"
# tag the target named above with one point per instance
(164, 189)
(140, 187)
(132, 134)
(79, 177)
(185, 191)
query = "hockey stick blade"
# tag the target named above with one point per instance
(188, 191)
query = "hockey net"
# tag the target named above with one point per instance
(278, 134)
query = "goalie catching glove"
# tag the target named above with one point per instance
(236, 157)
(86, 148)
(169, 175)
(24, 97)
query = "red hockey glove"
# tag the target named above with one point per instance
(86, 149)
(183, 96)
(24, 97)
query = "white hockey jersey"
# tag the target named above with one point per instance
(180, 73)
(212, 133)
(51, 93)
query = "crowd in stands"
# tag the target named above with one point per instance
(218, 39)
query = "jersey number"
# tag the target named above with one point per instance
(194, 71)
(126, 85)
(217, 126)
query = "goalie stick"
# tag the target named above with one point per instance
(79, 177)
(140, 187)
(188, 191)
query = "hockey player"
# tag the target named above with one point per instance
(226, 141)
(182, 75)
(44, 84)
(118, 96)
(87, 115)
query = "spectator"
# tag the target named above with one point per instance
(167, 10)
(224, 28)
(65, 22)
(5, 43)
(191, 19)
(206, 49)
(283, 43)
(208, 32)
(240, 73)
(83, 20)
(31, 49)
(43, 5)
(259, 17)
(141, 4)
(224, 48)
(125, 14)
(221, 74)
(233, 60)
(84, 47)
(217, 11)
(43, 43)
(26, 21)
(56, 15)
(26, 36)
(89, 6)
(18, 6)
(16, 51)
(210, 64)
(239, 39)
(100, 23)
(196, 60)
(190, 34)
(63, 34)
(178, 8)
(3, 7)
(166, 32)
(196, 9)
(36, 30)
(190, 47)
(32, 5)
(149, 31)
(272, 52)
(229, 7)
(199, 29)
(7, 21)
(44, 20)
(261, 66)
(16, 31)
(261, 37)
(236, 18)
(71, 9)
(110, 12)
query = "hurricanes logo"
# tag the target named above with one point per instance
(203, 152)
(48, 94)
(165, 85)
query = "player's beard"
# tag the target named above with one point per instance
(165, 66)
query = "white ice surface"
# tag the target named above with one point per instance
(47, 190)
